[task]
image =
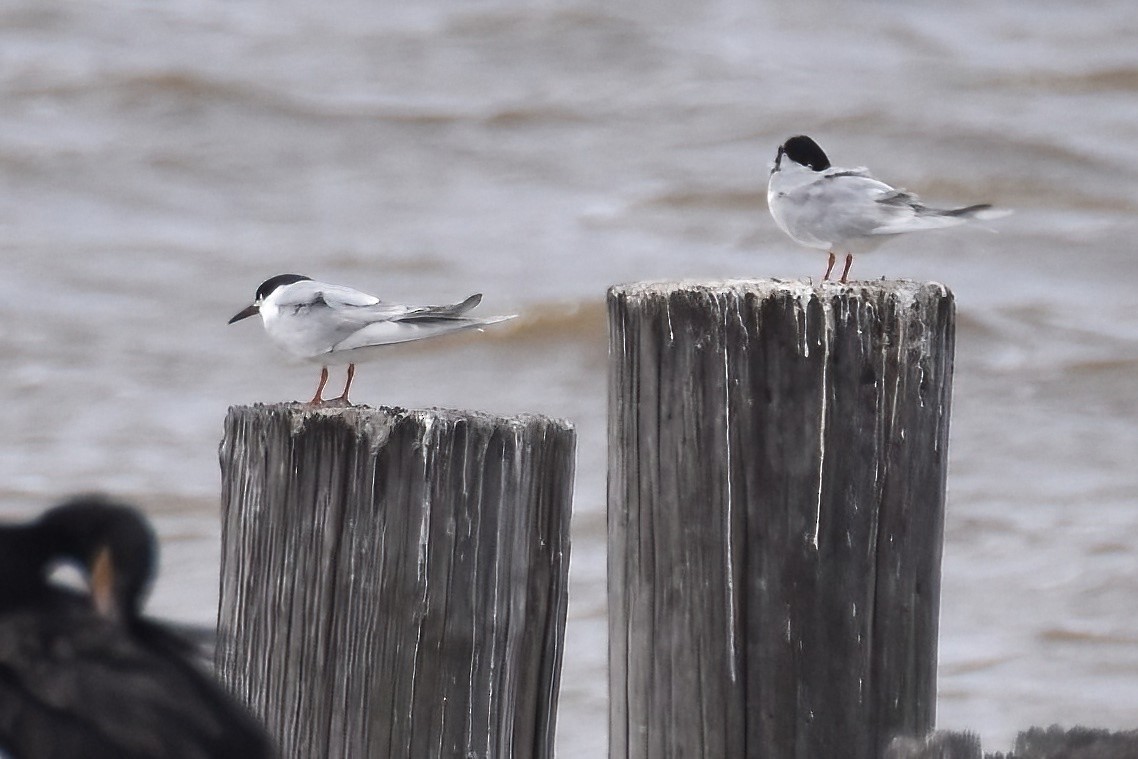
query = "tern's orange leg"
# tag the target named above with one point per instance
(830, 267)
(846, 271)
(316, 399)
(348, 384)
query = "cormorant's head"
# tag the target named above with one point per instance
(114, 545)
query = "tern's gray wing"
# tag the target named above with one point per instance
(319, 296)
(882, 209)
(913, 214)
(364, 307)
(836, 208)
(364, 314)
(306, 291)
(318, 316)
(418, 323)
(852, 204)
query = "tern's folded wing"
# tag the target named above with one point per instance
(408, 330)
(908, 214)
(348, 309)
(364, 316)
(367, 308)
(838, 208)
(308, 292)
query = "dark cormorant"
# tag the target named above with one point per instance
(84, 674)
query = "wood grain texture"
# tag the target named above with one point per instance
(777, 462)
(394, 583)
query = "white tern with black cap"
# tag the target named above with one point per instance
(333, 324)
(847, 210)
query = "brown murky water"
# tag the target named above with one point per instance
(157, 162)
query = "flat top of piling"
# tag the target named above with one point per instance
(378, 421)
(359, 415)
(902, 288)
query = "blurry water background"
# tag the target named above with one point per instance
(159, 160)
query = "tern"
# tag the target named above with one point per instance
(333, 324)
(834, 209)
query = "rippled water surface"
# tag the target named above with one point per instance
(158, 161)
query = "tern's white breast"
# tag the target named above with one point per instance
(297, 330)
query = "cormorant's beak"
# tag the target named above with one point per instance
(102, 581)
(244, 314)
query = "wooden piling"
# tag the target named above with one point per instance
(394, 583)
(777, 460)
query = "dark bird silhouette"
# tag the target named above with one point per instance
(85, 674)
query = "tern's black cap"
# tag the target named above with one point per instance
(272, 283)
(804, 151)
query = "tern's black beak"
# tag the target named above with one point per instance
(245, 314)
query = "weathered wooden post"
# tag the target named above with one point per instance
(394, 583)
(776, 499)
